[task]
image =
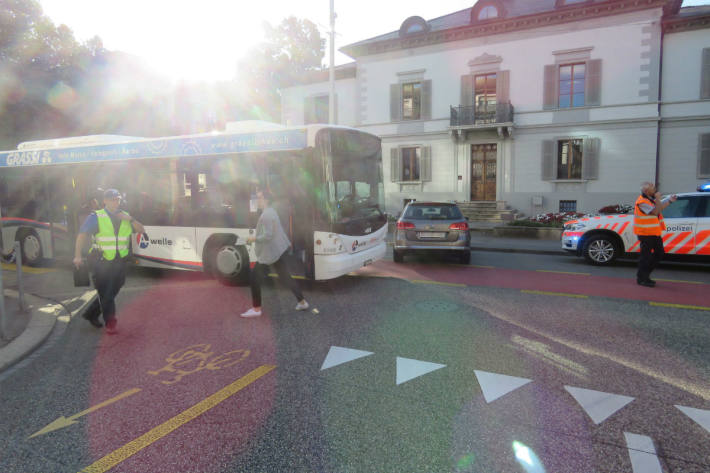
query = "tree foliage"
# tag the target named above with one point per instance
(53, 86)
(290, 49)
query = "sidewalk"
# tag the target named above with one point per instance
(49, 294)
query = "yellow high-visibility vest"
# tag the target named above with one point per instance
(108, 241)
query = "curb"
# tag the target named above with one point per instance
(42, 321)
(38, 329)
(520, 250)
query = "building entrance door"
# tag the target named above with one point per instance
(483, 172)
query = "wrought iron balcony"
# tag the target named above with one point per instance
(483, 117)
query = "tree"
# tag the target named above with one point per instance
(290, 49)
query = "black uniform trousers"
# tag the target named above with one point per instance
(258, 272)
(109, 277)
(651, 254)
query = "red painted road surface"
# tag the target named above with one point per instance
(599, 286)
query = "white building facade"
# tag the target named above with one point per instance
(539, 105)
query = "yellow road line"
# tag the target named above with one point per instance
(678, 280)
(679, 306)
(27, 269)
(561, 294)
(479, 266)
(438, 283)
(561, 272)
(134, 446)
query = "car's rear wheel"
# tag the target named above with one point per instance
(600, 250)
(397, 256)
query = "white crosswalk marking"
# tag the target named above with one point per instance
(339, 355)
(597, 404)
(642, 454)
(702, 417)
(496, 385)
(408, 369)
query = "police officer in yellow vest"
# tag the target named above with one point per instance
(648, 227)
(112, 229)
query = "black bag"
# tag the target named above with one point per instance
(81, 276)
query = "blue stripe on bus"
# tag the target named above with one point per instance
(160, 148)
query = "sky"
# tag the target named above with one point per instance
(203, 40)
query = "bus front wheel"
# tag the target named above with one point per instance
(31, 248)
(230, 264)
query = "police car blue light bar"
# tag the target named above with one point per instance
(704, 187)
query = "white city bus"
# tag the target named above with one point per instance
(196, 195)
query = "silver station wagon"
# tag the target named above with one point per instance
(432, 227)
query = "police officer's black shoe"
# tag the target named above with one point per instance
(646, 283)
(93, 319)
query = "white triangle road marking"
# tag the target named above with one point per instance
(408, 369)
(701, 416)
(339, 355)
(496, 385)
(642, 454)
(597, 404)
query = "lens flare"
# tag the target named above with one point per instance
(61, 96)
(465, 462)
(527, 458)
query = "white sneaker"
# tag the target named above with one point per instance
(251, 313)
(303, 305)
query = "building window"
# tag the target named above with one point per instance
(316, 109)
(569, 159)
(568, 206)
(410, 163)
(411, 101)
(488, 13)
(485, 98)
(572, 84)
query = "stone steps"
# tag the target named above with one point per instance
(486, 212)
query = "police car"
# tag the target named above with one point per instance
(604, 238)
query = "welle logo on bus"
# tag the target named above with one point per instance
(143, 241)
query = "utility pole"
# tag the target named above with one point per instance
(331, 95)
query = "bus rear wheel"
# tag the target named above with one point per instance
(31, 248)
(230, 265)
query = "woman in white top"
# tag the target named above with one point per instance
(271, 246)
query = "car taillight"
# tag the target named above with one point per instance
(404, 225)
(459, 226)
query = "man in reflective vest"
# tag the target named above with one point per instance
(112, 229)
(648, 226)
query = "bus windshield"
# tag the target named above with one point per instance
(355, 190)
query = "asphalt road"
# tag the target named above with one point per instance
(517, 363)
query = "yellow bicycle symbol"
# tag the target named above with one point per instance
(196, 358)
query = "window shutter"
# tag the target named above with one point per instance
(466, 90)
(549, 95)
(395, 165)
(395, 102)
(593, 94)
(549, 163)
(590, 158)
(704, 156)
(425, 164)
(309, 110)
(705, 75)
(426, 100)
(503, 87)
